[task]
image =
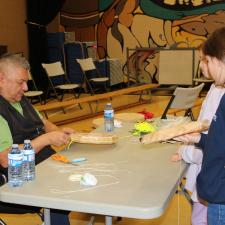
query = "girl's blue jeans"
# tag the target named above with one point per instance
(216, 214)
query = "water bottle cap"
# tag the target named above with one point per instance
(15, 145)
(26, 141)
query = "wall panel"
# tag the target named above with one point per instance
(13, 30)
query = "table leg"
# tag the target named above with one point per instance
(47, 218)
(91, 222)
(108, 220)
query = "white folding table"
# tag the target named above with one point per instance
(134, 180)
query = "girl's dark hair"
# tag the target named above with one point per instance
(215, 45)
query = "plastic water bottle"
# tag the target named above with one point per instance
(28, 161)
(109, 117)
(15, 170)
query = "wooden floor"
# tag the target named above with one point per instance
(178, 212)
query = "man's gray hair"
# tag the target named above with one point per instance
(13, 59)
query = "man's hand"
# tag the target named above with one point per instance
(68, 130)
(57, 138)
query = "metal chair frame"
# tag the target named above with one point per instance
(33, 93)
(54, 70)
(183, 98)
(86, 65)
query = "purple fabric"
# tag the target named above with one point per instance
(199, 214)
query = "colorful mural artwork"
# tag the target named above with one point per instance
(131, 24)
(154, 23)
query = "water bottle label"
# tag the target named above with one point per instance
(15, 157)
(28, 155)
(16, 163)
(28, 158)
(15, 171)
(108, 114)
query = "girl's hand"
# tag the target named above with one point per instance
(189, 138)
(176, 157)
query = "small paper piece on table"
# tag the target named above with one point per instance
(178, 130)
(117, 123)
(88, 180)
(75, 177)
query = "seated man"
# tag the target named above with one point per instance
(20, 121)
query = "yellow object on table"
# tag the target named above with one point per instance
(143, 128)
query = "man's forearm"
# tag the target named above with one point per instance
(40, 142)
(49, 126)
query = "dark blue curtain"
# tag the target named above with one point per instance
(39, 14)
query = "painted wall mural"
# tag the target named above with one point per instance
(131, 24)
